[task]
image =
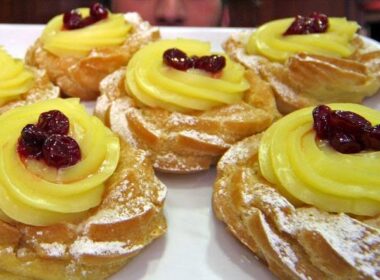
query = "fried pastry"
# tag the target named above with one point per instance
(185, 119)
(22, 85)
(82, 215)
(78, 58)
(309, 68)
(308, 218)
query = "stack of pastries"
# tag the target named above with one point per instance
(78, 193)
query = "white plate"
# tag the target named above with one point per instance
(196, 246)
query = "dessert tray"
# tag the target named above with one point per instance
(196, 245)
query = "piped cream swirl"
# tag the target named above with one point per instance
(32, 192)
(15, 79)
(268, 40)
(309, 171)
(109, 32)
(155, 84)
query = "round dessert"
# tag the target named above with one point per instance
(303, 197)
(79, 48)
(309, 60)
(184, 104)
(73, 196)
(21, 85)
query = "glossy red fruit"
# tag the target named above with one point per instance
(53, 122)
(347, 132)
(348, 122)
(60, 151)
(177, 59)
(28, 150)
(344, 143)
(320, 22)
(72, 20)
(32, 134)
(212, 63)
(315, 23)
(31, 141)
(98, 11)
(371, 138)
(321, 121)
(87, 21)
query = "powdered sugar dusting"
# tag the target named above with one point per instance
(237, 154)
(86, 246)
(177, 119)
(133, 209)
(175, 162)
(7, 250)
(357, 244)
(354, 241)
(54, 249)
(283, 249)
(204, 137)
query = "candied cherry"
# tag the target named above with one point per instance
(98, 12)
(213, 63)
(47, 140)
(72, 20)
(314, 23)
(347, 132)
(344, 143)
(60, 151)
(371, 138)
(349, 122)
(31, 141)
(53, 122)
(177, 59)
(320, 22)
(320, 116)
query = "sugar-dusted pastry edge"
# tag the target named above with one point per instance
(42, 90)
(292, 95)
(104, 242)
(184, 143)
(295, 243)
(81, 77)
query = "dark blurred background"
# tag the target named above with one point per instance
(241, 13)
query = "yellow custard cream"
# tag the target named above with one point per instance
(310, 171)
(109, 32)
(268, 40)
(15, 79)
(32, 192)
(155, 84)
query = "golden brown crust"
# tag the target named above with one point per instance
(183, 143)
(80, 77)
(305, 80)
(295, 243)
(372, 61)
(42, 90)
(129, 218)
